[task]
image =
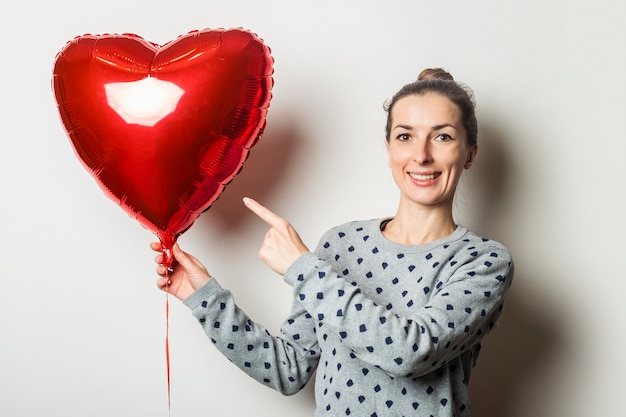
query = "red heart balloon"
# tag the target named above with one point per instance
(163, 129)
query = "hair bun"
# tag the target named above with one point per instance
(435, 74)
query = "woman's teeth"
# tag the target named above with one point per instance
(420, 177)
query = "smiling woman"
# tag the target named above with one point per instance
(430, 141)
(389, 313)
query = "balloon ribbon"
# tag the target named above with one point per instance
(167, 347)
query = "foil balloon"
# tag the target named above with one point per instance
(164, 128)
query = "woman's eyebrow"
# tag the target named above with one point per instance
(443, 126)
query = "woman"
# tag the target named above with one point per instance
(390, 313)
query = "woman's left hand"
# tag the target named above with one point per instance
(282, 244)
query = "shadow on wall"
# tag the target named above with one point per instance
(264, 170)
(269, 164)
(521, 346)
(524, 341)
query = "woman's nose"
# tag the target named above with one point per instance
(422, 153)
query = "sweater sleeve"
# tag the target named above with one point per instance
(284, 362)
(457, 317)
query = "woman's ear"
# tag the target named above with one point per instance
(471, 156)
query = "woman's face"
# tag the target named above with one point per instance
(428, 149)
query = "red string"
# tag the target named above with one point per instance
(167, 347)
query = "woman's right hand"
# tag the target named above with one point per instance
(186, 276)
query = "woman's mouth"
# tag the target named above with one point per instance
(423, 177)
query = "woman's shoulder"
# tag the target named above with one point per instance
(479, 243)
(351, 230)
(356, 227)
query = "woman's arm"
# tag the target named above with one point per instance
(285, 362)
(455, 319)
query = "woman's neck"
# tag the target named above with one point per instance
(416, 226)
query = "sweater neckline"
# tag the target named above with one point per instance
(376, 231)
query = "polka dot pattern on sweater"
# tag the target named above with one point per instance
(392, 329)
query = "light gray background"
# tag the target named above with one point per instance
(82, 324)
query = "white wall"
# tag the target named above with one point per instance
(82, 324)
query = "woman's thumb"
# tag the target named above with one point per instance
(180, 256)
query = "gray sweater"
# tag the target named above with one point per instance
(392, 330)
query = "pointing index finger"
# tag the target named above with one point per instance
(264, 213)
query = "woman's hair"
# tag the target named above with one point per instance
(439, 81)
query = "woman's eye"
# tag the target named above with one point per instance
(403, 137)
(444, 137)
